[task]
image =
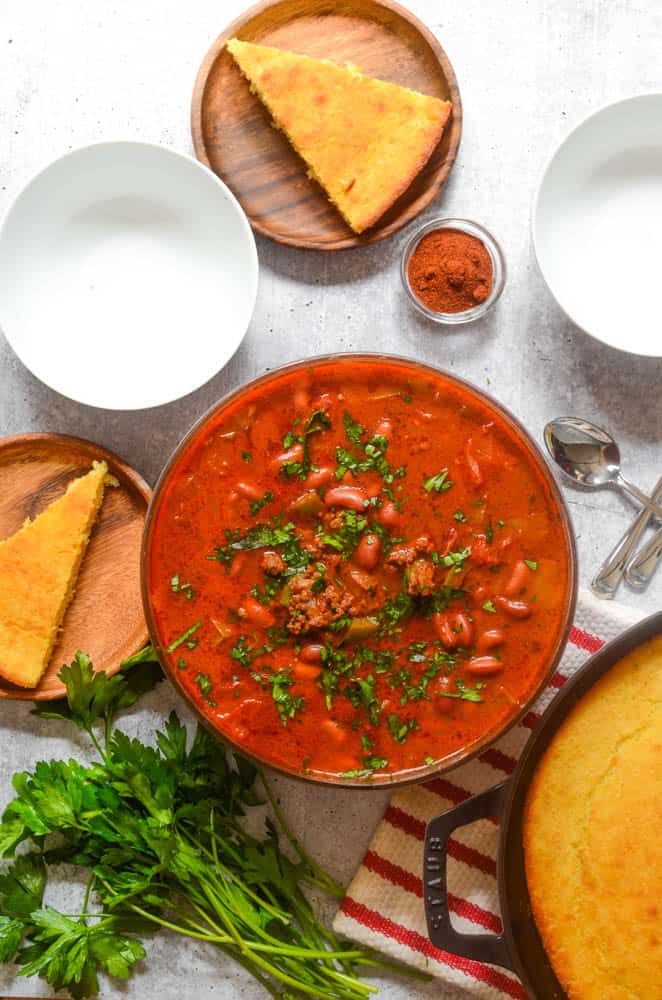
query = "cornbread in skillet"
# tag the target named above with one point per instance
(364, 140)
(38, 570)
(592, 837)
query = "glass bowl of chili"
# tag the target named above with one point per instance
(251, 653)
(453, 270)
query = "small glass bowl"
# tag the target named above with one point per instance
(498, 267)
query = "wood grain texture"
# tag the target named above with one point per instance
(105, 618)
(233, 135)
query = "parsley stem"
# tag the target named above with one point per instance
(322, 878)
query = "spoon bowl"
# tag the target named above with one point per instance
(589, 456)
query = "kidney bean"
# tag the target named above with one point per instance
(312, 652)
(332, 730)
(237, 564)
(442, 627)
(352, 497)
(490, 640)
(475, 473)
(516, 609)
(293, 454)
(248, 490)
(463, 629)
(453, 630)
(484, 666)
(368, 552)
(306, 671)
(519, 579)
(319, 477)
(301, 398)
(389, 515)
(257, 613)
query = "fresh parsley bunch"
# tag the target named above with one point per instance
(159, 830)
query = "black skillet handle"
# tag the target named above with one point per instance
(491, 948)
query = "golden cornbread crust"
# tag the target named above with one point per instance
(364, 140)
(592, 840)
(38, 571)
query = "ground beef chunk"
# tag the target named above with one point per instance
(420, 578)
(313, 608)
(272, 564)
(405, 555)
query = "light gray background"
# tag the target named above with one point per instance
(73, 72)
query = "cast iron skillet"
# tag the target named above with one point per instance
(519, 947)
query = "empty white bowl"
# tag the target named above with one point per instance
(597, 224)
(128, 275)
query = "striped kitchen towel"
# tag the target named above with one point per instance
(383, 907)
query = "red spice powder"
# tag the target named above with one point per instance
(450, 271)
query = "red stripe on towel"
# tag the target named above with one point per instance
(591, 643)
(401, 820)
(411, 883)
(417, 942)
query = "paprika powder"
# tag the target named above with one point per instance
(450, 271)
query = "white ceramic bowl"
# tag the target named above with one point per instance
(597, 225)
(128, 275)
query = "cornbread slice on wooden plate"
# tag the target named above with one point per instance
(38, 570)
(364, 140)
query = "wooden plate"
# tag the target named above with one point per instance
(105, 618)
(232, 131)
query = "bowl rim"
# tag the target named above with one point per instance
(535, 204)
(426, 772)
(496, 254)
(202, 170)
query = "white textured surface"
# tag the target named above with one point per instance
(74, 72)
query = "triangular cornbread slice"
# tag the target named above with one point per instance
(363, 139)
(38, 570)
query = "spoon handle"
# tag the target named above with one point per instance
(641, 567)
(639, 495)
(605, 582)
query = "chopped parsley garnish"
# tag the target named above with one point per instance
(178, 587)
(349, 535)
(460, 516)
(489, 532)
(318, 421)
(242, 652)
(366, 742)
(181, 663)
(394, 612)
(265, 595)
(263, 536)
(453, 558)
(247, 457)
(429, 760)
(489, 606)
(439, 483)
(353, 430)
(375, 460)
(257, 505)
(463, 692)
(531, 564)
(287, 704)
(371, 764)
(399, 728)
(204, 682)
(183, 637)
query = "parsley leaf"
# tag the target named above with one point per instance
(287, 704)
(318, 421)
(489, 606)
(531, 564)
(438, 483)
(353, 430)
(463, 692)
(257, 505)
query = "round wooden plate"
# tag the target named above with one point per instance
(105, 618)
(233, 135)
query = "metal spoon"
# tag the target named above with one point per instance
(640, 569)
(622, 558)
(589, 456)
